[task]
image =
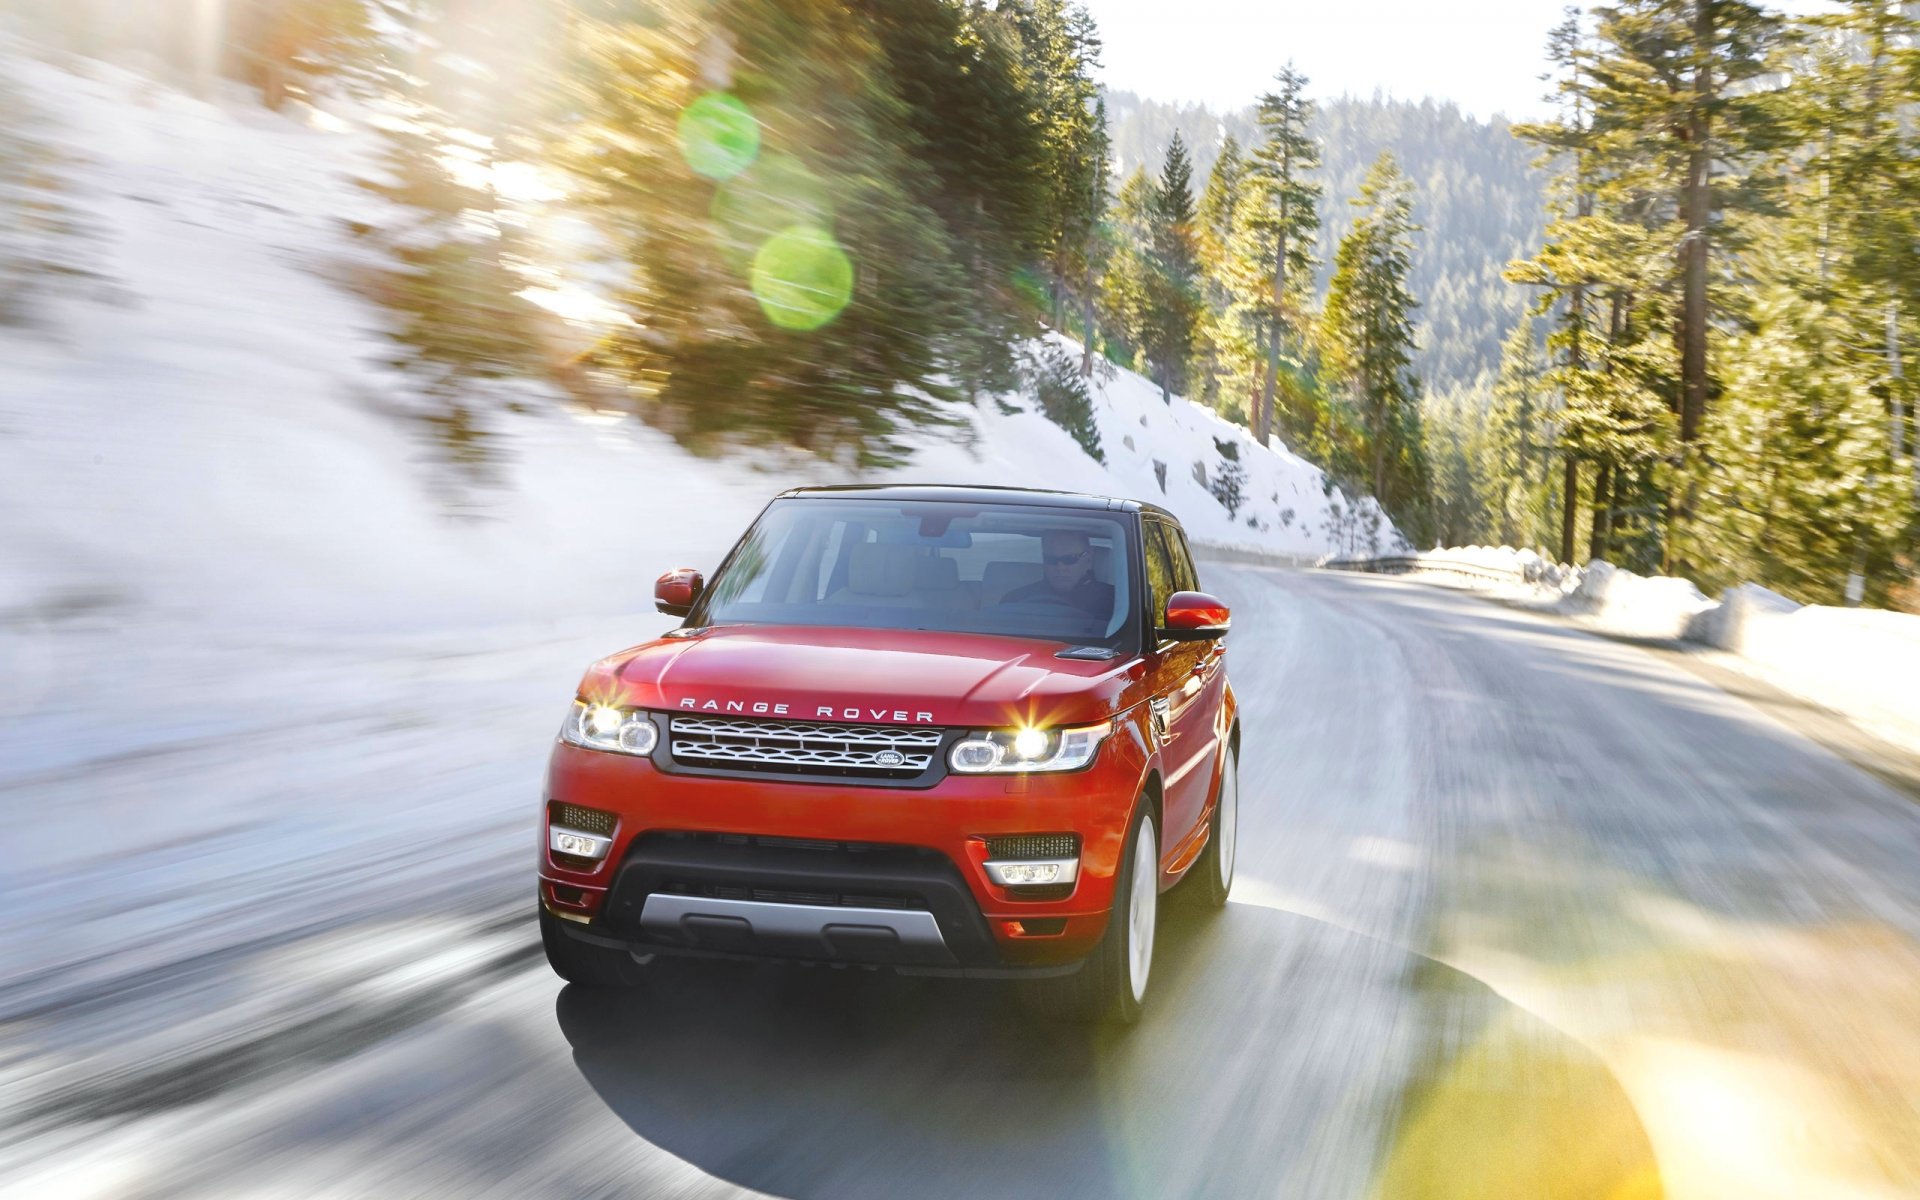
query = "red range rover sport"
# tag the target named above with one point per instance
(947, 730)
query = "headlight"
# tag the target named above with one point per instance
(604, 727)
(1005, 751)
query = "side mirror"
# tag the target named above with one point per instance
(1194, 617)
(675, 592)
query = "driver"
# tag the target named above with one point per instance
(1068, 575)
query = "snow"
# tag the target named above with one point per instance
(261, 677)
(1860, 663)
(1630, 605)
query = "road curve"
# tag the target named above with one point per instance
(1520, 912)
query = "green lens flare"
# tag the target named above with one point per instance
(777, 192)
(802, 278)
(718, 136)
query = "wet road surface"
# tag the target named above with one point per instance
(1520, 912)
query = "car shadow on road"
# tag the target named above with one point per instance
(1275, 1059)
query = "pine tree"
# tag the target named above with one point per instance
(1213, 234)
(1062, 392)
(1283, 220)
(958, 72)
(1368, 339)
(1606, 277)
(1679, 114)
(1100, 243)
(1132, 288)
(1518, 447)
(1802, 492)
(1060, 50)
(789, 279)
(1176, 260)
(1805, 484)
(1454, 431)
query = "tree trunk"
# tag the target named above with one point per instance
(1602, 511)
(1257, 417)
(1697, 205)
(273, 85)
(1270, 384)
(1569, 502)
(1379, 407)
(1279, 298)
(1897, 377)
(1086, 321)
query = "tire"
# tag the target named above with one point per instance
(1212, 877)
(1111, 986)
(584, 964)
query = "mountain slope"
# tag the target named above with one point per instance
(1479, 202)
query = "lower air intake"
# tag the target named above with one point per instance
(586, 820)
(1022, 846)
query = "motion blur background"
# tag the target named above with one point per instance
(363, 361)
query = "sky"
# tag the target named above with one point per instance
(1485, 55)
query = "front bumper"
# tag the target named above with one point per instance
(716, 843)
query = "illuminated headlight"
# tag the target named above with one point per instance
(1004, 751)
(604, 727)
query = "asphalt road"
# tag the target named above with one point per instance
(1520, 913)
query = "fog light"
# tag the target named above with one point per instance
(576, 843)
(1028, 874)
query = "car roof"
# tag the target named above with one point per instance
(976, 494)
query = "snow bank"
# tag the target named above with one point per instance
(1862, 663)
(1858, 661)
(1639, 606)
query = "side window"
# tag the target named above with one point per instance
(1183, 572)
(1160, 572)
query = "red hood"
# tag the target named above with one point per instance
(879, 676)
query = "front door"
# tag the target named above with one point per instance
(1182, 677)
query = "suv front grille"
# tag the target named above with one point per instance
(802, 747)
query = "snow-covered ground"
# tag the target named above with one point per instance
(260, 682)
(1861, 663)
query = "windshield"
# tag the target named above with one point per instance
(1014, 570)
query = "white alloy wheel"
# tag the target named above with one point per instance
(1226, 826)
(1143, 908)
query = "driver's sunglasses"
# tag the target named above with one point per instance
(1065, 560)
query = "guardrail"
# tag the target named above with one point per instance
(1205, 552)
(1407, 564)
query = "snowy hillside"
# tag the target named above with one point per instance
(207, 433)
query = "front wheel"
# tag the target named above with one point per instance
(1112, 984)
(583, 963)
(1214, 872)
